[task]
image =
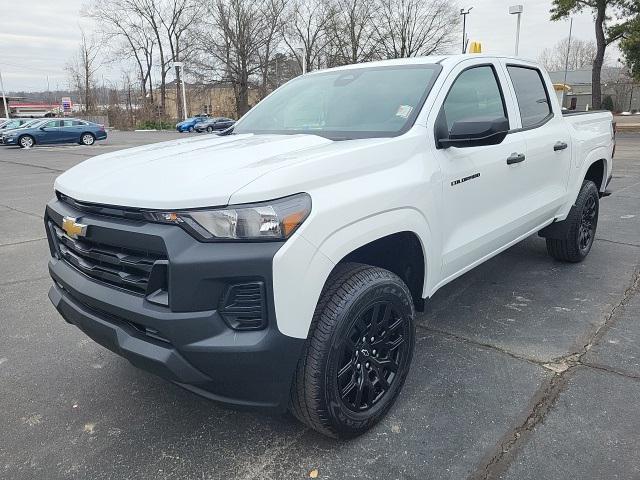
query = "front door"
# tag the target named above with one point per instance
(49, 132)
(477, 193)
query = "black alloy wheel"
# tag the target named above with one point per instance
(371, 355)
(587, 229)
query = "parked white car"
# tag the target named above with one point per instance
(282, 265)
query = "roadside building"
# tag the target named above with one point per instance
(33, 109)
(3, 113)
(616, 83)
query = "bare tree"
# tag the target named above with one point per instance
(273, 13)
(234, 50)
(128, 36)
(416, 27)
(352, 30)
(581, 55)
(178, 18)
(307, 30)
(82, 70)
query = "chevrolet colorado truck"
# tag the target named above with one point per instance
(282, 263)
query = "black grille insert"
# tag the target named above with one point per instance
(123, 267)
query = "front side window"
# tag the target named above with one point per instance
(344, 104)
(531, 94)
(474, 95)
(53, 124)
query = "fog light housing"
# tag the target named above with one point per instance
(244, 306)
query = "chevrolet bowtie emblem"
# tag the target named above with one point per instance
(73, 229)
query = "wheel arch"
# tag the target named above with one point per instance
(301, 268)
(597, 172)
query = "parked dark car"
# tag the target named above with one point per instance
(189, 124)
(214, 123)
(49, 132)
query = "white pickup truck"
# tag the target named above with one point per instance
(282, 263)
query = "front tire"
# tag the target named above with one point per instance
(581, 227)
(358, 352)
(26, 141)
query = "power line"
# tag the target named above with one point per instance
(24, 67)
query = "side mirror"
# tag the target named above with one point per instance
(476, 132)
(44, 129)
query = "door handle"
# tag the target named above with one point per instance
(559, 146)
(515, 158)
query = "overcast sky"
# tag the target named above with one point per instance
(38, 37)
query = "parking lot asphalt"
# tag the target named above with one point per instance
(525, 368)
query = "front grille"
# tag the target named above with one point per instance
(104, 210)
(123, 267)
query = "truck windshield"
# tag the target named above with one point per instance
(345, 104)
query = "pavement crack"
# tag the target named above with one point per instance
(615, 371)
(480, 344)
(13, 209)
(617, 243)
(22, 164)
(499, 460)
(22, 242)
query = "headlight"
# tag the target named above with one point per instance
(273, 220)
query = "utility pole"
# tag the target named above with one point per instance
(566, 60)
(517, 10)
(464, 28)
(4, 98)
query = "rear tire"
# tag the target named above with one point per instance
(26, 141)
(209, 129)
(190, 129)
(87, 139)
(358, 352)
(581, 227)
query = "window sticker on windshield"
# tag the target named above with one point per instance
(404, 111)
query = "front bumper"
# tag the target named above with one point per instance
(187, 341)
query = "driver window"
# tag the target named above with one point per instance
(52, 124)
(474, 95)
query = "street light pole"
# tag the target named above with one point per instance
(180, 65)
(517, 10)
(303, 55)
(464, 27)
(4, 97)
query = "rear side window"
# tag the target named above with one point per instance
(533, 99)
(474, 95)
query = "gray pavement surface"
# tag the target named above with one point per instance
(524, 368)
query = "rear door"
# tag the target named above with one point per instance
(69, 132)
(478, 215)
(542, 177)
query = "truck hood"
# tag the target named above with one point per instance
(186, 173)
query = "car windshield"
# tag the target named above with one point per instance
(12, 124)
(31, 123)
(345, 104)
